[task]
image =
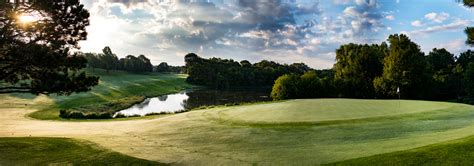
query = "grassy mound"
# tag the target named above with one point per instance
(456, 152)
(327, 111)
(116, 90)
(60, 151)
(273, 134)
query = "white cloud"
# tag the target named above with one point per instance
(438, 18)
(417, 23)
(454, 46)
(390, 17)
(351, 11)
(456, 25)
(338, 2)
(365, 19)
(370, 3)
(257, 34)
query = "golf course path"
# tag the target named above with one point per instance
(208, 136)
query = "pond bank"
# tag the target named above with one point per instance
(192, 99)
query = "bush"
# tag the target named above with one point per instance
(100, 111)
(284, 87)
(74, 114)
(308, 85)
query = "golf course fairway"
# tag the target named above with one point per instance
(308, 132)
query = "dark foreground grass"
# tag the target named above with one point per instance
(61, 151)
(456, 152)
(116, 90)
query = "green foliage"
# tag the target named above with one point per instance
(356, 68)
(308, 85)
(465, 58)
(109, 61)
(446, 75)
(404, 67)
(60, 151)
(470, 35)
(376, 71)
(163, 67)
(469, 3)
(439, 59)
(469, 30)
(469, 79)
(224, 74)
(285, 87)
(43, 64)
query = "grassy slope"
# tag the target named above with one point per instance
(115, 86)
(62, 151)
(213, 132)
(457, 152)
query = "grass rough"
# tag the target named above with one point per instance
(456, 152)
(61, 151)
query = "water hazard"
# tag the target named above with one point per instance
(190, 99)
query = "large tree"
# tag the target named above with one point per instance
(35, 42)
(404, 68)
(145, 65)
(356, 68)
(446, 75)
(109, 60)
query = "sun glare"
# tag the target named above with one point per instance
(25, 18)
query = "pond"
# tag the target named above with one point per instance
(190, 99)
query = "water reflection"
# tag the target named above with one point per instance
(192, 99)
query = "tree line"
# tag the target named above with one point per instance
(380, 70)
(109, 61)
(163, 67)
(226, 73)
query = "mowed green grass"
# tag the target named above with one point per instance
(328, 110)
(276, 133)
(115, 86)
(60, 151)
(456, 152)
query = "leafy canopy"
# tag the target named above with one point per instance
(35, 53)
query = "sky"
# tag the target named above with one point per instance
(285, 31)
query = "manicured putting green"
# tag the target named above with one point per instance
(327, 110)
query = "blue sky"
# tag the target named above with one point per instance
(286, 31)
